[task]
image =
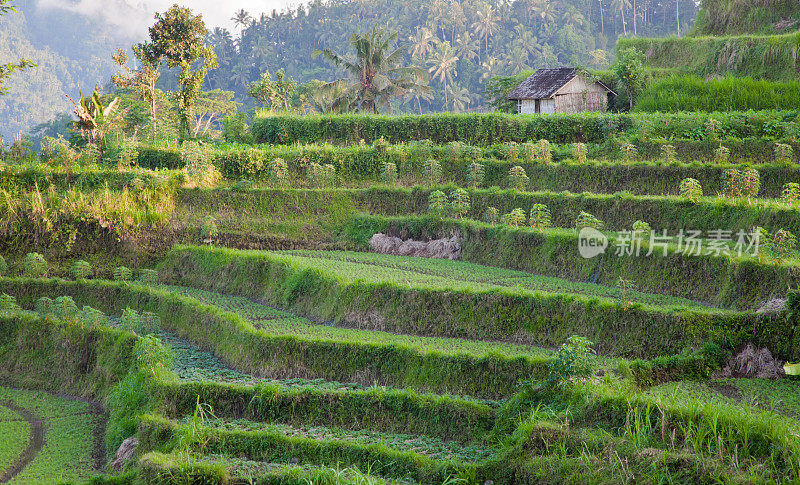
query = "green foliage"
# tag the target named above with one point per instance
(731, 182)
(3, 266)
(148, 277)
(543, 151)
(128, 153)
(45, 307)
(586, 219)
(517, 178)
(691, 190)
(8, 304)
(34, 266)
(790, 192)
(437, 203)
(781, 244)
(579, 152)
(321, 176)
(641, 230)
(64, 308)
(142, 324)
(491, 215)
(81, 270)
(629, 151)
(209, 231)
(278, 171)
(122, 273)
(459, 203)
(389, 173)
(433, 172)
(475, 174)
(235, 129)
(515, 218)
(276, 95)
(625, 288)
(92, 317)
(741, 183)
(573, 359)
(722, 154)
(668, 153)
(540, 217)
(629, 70)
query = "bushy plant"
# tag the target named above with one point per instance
(544, 152)
(790, 192)
(540, 216)
(579, 152)
(712, 128)
(389, 173)
(44, 307)
(668, 153)
(208, 231)
(731, 180)
(518, 179)
(148, 277)
(152, 355)
(437, 203)
(782, 243)
(321, 175)
(130, 320)
(575, 358)
(511, 150)
(92, 316)
(691, 190)
(235, 129)
(475, 174)
(278, 171)
(128, 153)
(750, 182)
(629, 151)
(34, 266)
(65, 309)
(149, 323)
(122, 273)
(90, 154)
(3, 266)
(242, 185)
(81, 270)
(381, 146)
(199, 169)
(515, 218)
(722, 154)
(433, 171)
(625, 287)
(641, 229)
(455, 150)
(8, 304)
(784, 153)
(491, 215)
(586, 219)
(459, 203)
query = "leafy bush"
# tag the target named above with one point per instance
(130, 320)
(626, 287)
(8, 304)
(321, 176)
(148, 276)
(3, 266)
(629, 151)
(517, 177)
(540, 216)
(544, 152)
(579, 152)
(515, 218)
(722, 154)
(34, 266)
(784, 153)
(491, 215)
(750, 182)
(586, 219)
(122, 273)
(641, 229)
(235, 129)
(459, 203)
(92, 316)
(389, 173)
(475, 174)
(44, 307)
(128, 153)
(278, 171)
(381, 146)
(81, 270)
(575, 358)
(791, 191)
(437, 203)
(782, 243)
(668, 153)
(433, 171)
(208, 231)
(691, 190)
(65, 309)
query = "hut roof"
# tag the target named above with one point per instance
(544, 83)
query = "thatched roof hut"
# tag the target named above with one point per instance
(560, 90)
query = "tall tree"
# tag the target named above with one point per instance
(141, 80)
(242, 18)
(178, 36)
(375, 75)
(443, 65)
(6, 70)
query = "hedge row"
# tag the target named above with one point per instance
(546, 319)
(487, 129)
(743, 283)
(268, 355)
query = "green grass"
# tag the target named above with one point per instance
(69, 437)
(15, 431)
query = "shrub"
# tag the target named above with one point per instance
(81, 270)
(128, 153)
(475, 174)
(626, 287)
(491, 215)
(543, 151)
(575, 358)
(34, 266)
(586, 219)
(455, 150)
(712, 128)
(691, 190)
(629, 151)
(540, 216)
(278, 171)
(459, 203)
(579, 152)
(199, 168)
(235, 129)
(8, 304)
(65, 309)
(517, 177)
(515, 218)
(130, 320)
(731, 180)
(208, 231)
(381, 146)
(389, 173)
(511, 150)
(149, 323)
(3, 266)
(122, 273)
(750, 182)
(782, 243)
(44, 307)
(784, 153)
(437, 203)
(722, 154)
(641, 229)
(791, 191)
(148, 277)
(433, 171)
(321, 175)
(668, 153)
(92, 316)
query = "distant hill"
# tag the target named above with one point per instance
(736, 17)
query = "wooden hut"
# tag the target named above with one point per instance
(561, 90)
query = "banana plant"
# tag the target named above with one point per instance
(95, 119)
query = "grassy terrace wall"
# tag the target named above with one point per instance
(740, 283)
(732, 17)
(545, 319)
(267, 355)
(487, 129)
(774, 57)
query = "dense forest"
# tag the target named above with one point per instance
(462, 44)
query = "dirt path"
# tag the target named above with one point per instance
(34, 446)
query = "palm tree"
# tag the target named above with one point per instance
(421, 42)
(459, 97)
(242, 19)
(374, 73)
(620, 5)
(443, 65)
(419, 96)
(486, 24)
(516, 59)
(467, 47)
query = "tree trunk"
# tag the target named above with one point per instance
(677, 18)
(634, 17)
(602, 23)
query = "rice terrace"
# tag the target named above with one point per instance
(445, 242)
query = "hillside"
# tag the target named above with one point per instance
(736, 17)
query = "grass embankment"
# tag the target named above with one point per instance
(730, 17)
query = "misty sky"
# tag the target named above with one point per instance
(134, 16)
